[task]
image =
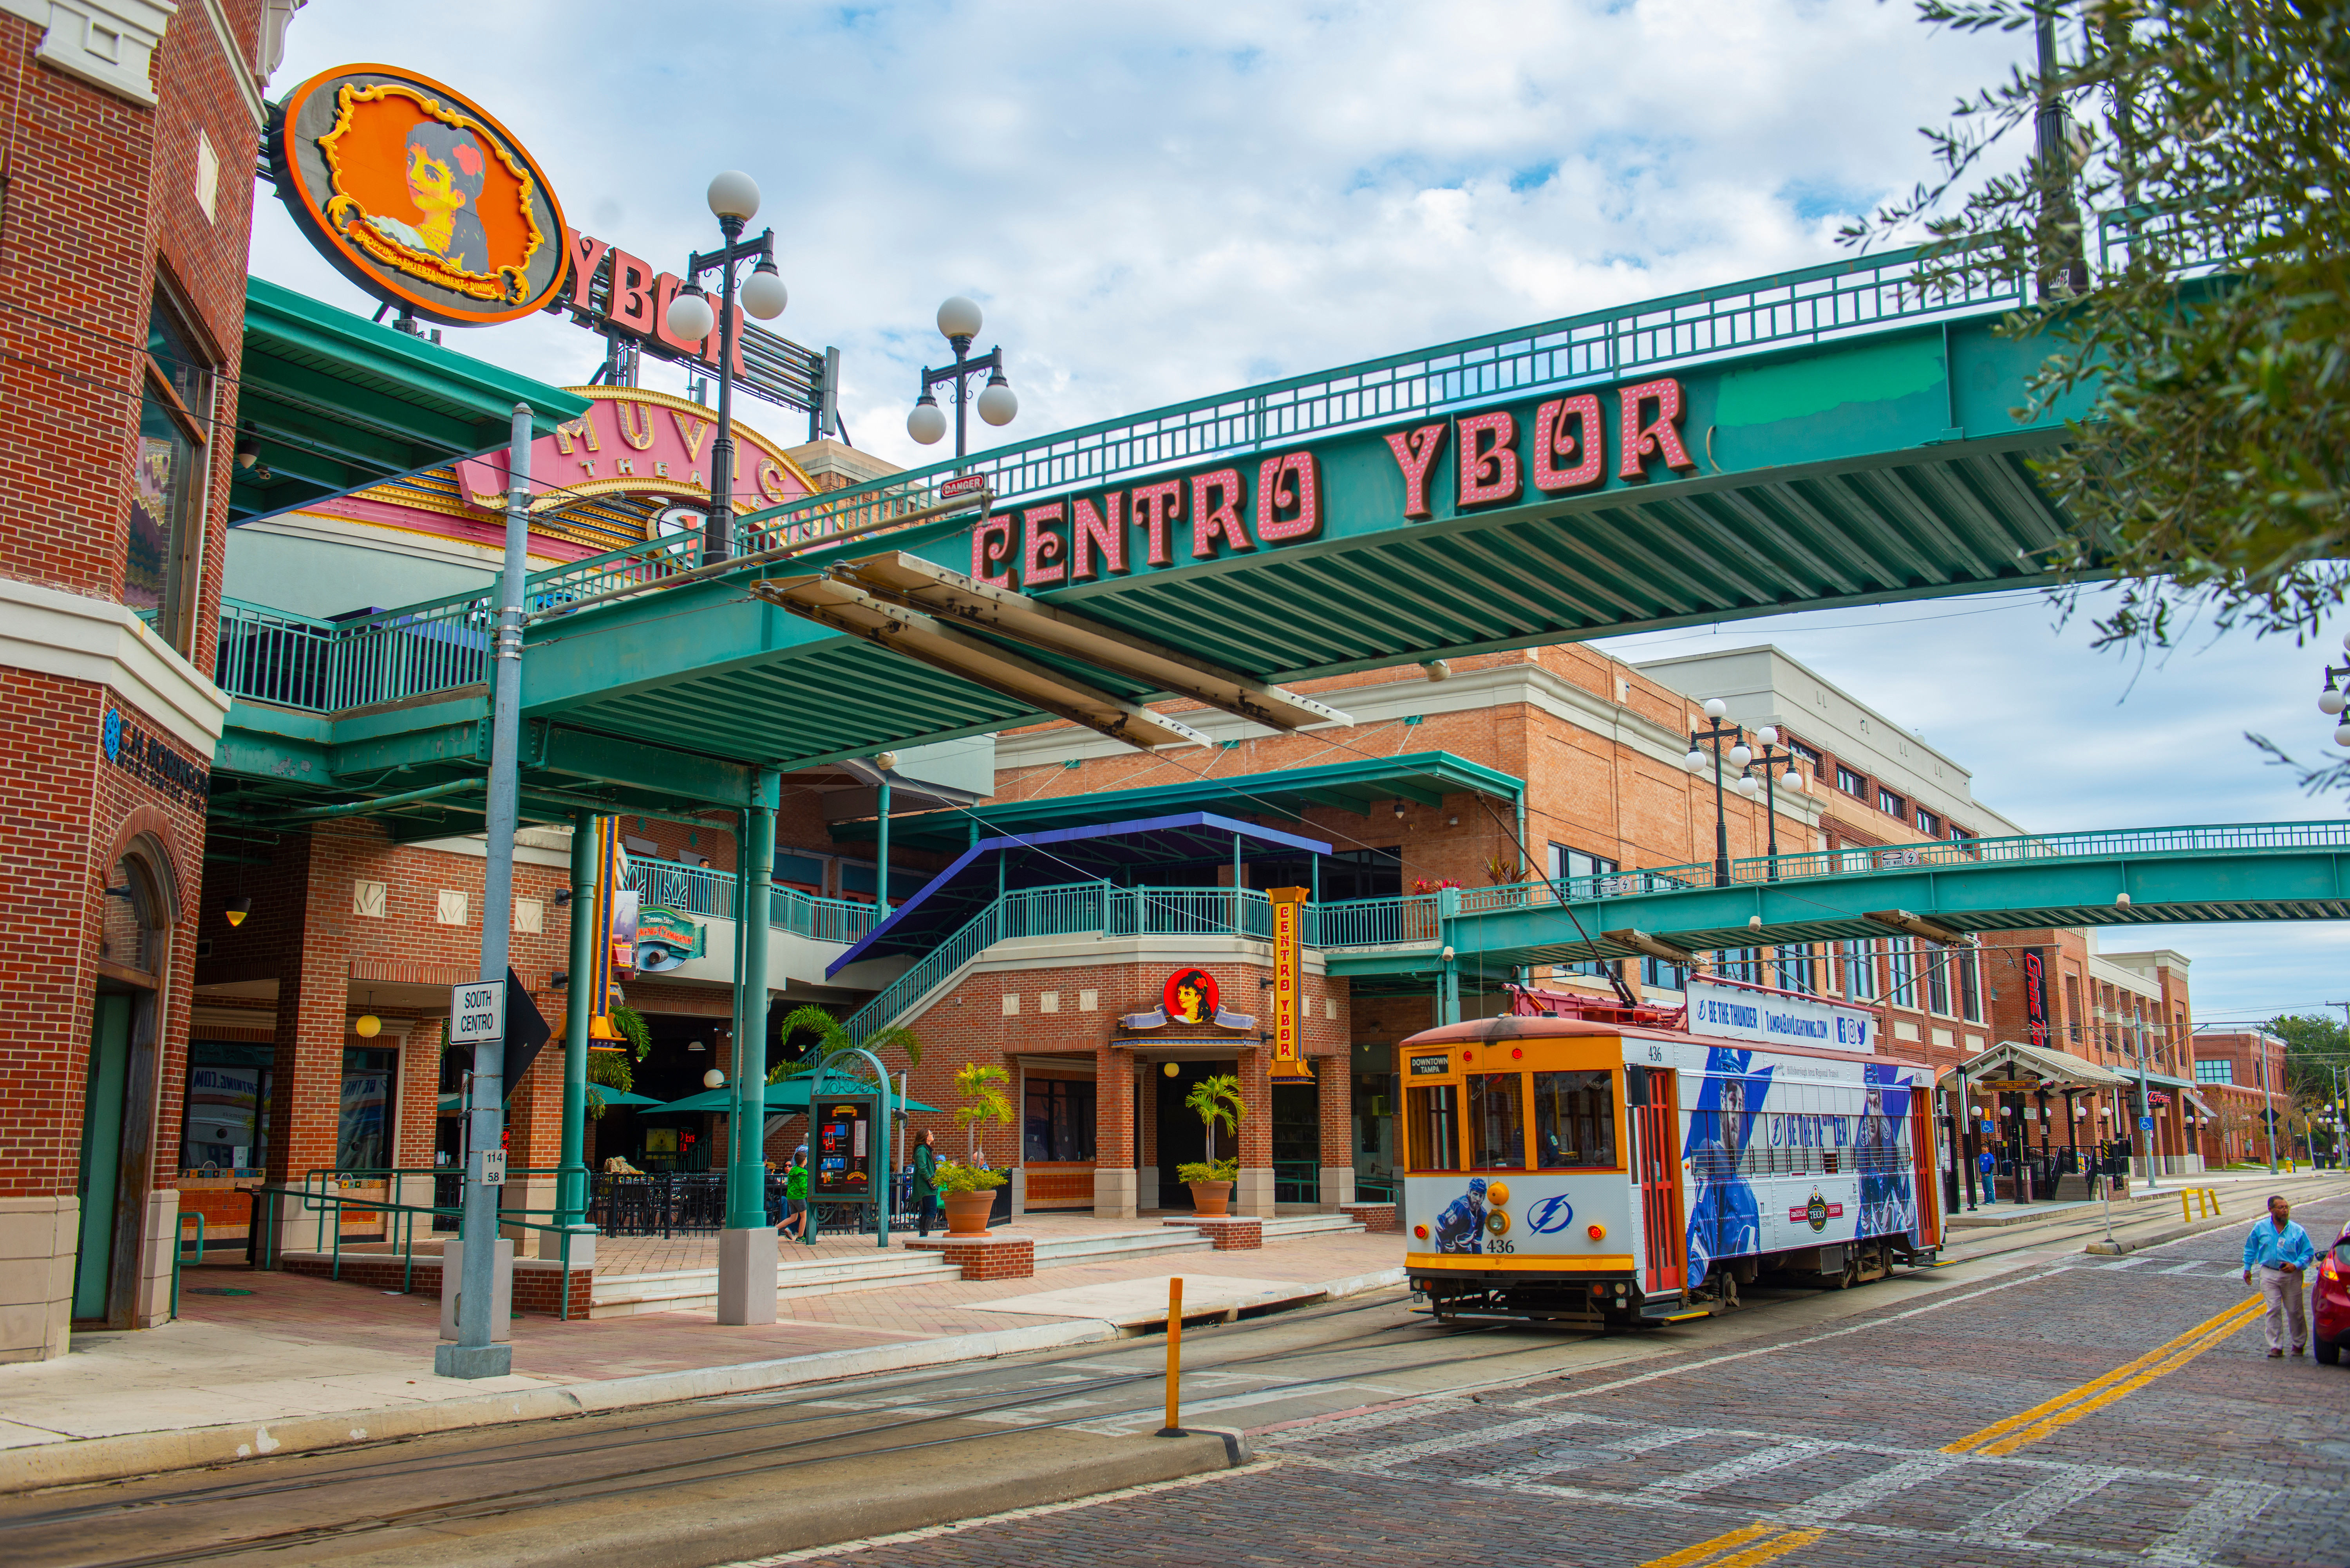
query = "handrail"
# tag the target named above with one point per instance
(700, 890)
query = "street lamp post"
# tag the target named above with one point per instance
(959, 323)
(734, 202)
(1771, 758)
(1712, 737)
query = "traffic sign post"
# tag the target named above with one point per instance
(477, 1012)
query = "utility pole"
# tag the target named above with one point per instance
(2268, 1100)
(2145, 1109)
(475, 1354)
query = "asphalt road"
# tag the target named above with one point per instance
(2040, 1407)
(1869, 1424)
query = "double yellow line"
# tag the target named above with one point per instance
(2054, 1415)
(1748, 1546)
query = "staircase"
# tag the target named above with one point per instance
(696, 1289)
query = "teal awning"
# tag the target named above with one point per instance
(791, 1095)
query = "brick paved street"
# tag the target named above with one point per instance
(1881, 1437)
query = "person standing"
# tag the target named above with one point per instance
(926, 1182)
(2281, 1249)
(795, 1192)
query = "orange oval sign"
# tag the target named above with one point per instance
(418, 195)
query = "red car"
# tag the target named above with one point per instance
(2330, 1301)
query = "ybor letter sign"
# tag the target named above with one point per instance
(1492, 458)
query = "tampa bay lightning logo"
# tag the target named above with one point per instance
(112, 738)
(1550, 1216)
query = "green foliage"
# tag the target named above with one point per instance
(2209, 473)
(951, 1176)
(616, 1069)
(1192, 1170)
(832, 1038)
(981, 1098)
(1216, 1099)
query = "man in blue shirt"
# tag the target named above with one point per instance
(2281, 1249)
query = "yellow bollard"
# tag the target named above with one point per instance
(1174, 1427)
(2184, 1216)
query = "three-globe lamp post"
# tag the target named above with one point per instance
(959, 324)
(734, 201)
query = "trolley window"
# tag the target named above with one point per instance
(1497, 1121)
(1575, 1120)
(1429, 1112)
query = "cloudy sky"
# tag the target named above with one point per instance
(1154, 202)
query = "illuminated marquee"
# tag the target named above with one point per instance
(1558, 448)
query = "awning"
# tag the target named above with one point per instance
(2197, 1101)
(791, 1095)
(2054, 1069)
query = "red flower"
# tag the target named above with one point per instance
(469, 157)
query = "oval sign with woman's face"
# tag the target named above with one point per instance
(418, 195)
(1191, 996)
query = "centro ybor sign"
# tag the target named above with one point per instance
(1735, 1010)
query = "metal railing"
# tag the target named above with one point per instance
(699, 890)
(327, 667)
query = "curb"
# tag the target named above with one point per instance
(71, 1461)
(74, 1460)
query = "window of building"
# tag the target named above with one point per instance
(1740, 963)
(1891, 804)
(1969, 969)
(1901, 972)
(2222, 1071)
(1566, 863)
(1805, 755)
(222, 1129)
(1793, 967)
(363, 1139)
(2076, 1023)
(1588, 969)
(165, 545)
(1429, 1116)
(1058, 1121)
(1937, 963)
(1497, 1121)
(1959, 833)
(1851, 783)
(1664, 976)
(1575, 1120)
(1859, 966)
(1928, 824)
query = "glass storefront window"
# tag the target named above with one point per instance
(1497, 1121)
(1429, 1110)
(225, 1121)
(363, 1140)
(1057, 1123)
(1575, 1120)
(167, 496)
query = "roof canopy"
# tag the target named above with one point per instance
(2055, 1069)
(1424, 777)
(1120, 852)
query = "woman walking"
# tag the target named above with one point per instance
(926, 1182)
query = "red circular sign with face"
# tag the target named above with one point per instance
(1191, 996)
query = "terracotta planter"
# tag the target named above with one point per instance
(1210, 1198)
(967, 1211)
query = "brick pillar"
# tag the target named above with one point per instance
(306, 1093)
(1333, 1099)
(1114, 1184)
(1252, 1193)
(1142, 1092)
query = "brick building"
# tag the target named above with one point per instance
(2242, 1075)
(125, 231)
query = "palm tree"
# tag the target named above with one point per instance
(981, 1099)
(1216, 1099)
(832, 1038)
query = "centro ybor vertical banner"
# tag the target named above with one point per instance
(614, 914)
(1288, 983)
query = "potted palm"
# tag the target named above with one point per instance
(1213, 1099)
(967, 1192)
(982, 1098)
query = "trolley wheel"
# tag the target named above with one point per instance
(1851, 1275)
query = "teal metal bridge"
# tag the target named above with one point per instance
(2274, 871)
(1842, 438)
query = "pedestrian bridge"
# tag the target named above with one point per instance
(1826, 437)
(2261, 871)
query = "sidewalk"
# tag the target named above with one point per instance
(260, 1361)
(2144, 1220)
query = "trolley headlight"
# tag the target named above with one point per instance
(1497, 1223)
(1498, 1193)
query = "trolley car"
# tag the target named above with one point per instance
(1606, 1173)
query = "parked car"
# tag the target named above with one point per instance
(2330, 1301)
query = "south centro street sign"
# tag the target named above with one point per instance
(1560, 446)
(1733, 1010)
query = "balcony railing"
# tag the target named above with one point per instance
(699, 890)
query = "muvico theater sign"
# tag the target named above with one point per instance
(1429, 470)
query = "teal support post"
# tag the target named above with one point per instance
(882, 860)
(580, 1008)
(1447, 915)
(746, 1198)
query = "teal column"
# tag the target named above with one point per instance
(881, 861)
(746, 1198)
(580, 1006)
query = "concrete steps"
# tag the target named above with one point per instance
(1067, 1249)
(696, 1289)
(1312, 1225)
